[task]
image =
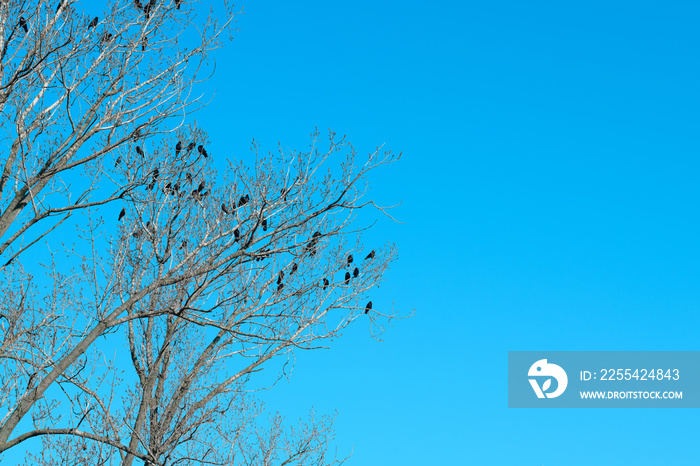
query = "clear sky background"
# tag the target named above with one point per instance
(549, 189)
(550, 202)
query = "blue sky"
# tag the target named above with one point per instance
(549, 190)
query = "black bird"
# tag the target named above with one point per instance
(205, 194)
(201, 186)
(356, 272)
(279, 280)
(93, 23)
(60, 4)
(189, 177)
(325, 284)
(139, 151)
(150, 186)
(196, 195)
(283, 192)
(370, 255)
(349, 260)
(147, 11)
(279, 287)
(368, 307)
(242, 201)
(183, 245)
(224, 208)
(119, 160)
(137, 233)
(176, 187)
(202, 151)
(316, 234)
(106, 38)
(138, 5)
(281, 274)
(191, 146)
(237, 234)
(177, 2)
(178, 148)
(23, 24)
(144, 43)
(156, 172)
(294, 268)
(122, 214)
(347, 277)
(264, 224)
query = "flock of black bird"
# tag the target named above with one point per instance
(199, 194)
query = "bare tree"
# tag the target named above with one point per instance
(139, 338)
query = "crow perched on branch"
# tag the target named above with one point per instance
(201, 186)
(325, 284)
(156, 172)
(119, 160)
(224, 208)
(93, 23)
(294, 268)
(243, 200)
(138, 5)
(139, 151)
(347, 277)
(370, 255)
(23, 24)
(106, 38)
(349, 260)
(191, 146)
(264, 224)
(177, 2)
(368, 307)
(178, 148)
(189, 177)
(356, 272)
(122, 214)
(202, 151)
(237, 234)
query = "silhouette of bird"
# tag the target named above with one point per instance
(150, 186)
(191, 146)
(347, 277)
(122, 214)
(237, 234)
(147, 11)
(317, 234)
(279, 287)
(138, 5)
(184, 244)
(201, 186)
(196, 195)
(139, 151)
(189, 177)
(137, 233)
(224, 208)
(23, 24)
(93, 23)
(325, 284)
(202, 151)
(119, 160)
(242, 201)
(177, 2)
(370, 255)
(368, 307)
(60, 4)
(167, 188)
(294, 268)
(156, 172)
(264, 224)
(106, 38)
(144, 43)
(176, 187)
(279, 280)
(178, 148)
(349, 260)
(356, 272)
